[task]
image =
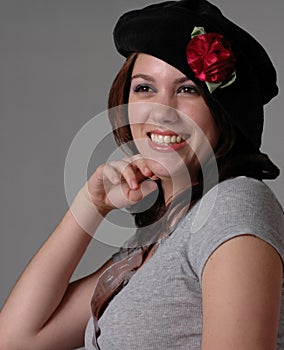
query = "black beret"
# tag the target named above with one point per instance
(164, 30)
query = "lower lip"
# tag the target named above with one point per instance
(167, 148)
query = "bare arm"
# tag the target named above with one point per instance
(43, 310)
(40, 304)
(241, 288)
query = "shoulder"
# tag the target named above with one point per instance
(241, 182)
(241, 189)
(248, 200)
(240, 199)
(232, 208)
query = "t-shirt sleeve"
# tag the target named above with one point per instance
(238, 206)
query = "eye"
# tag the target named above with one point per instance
(143, 88)
(188, 89)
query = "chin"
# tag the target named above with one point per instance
(171, 168)
(159, 168)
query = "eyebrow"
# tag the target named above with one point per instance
(183, 80)
(143, 76)
(149, 78)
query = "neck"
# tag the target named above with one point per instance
(172, 187)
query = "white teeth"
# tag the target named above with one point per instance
(173, 139)
(166, 139)
(160, 138)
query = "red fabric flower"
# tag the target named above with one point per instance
(210, 57)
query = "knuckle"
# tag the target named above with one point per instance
(101, 167)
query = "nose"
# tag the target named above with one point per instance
(163, 113)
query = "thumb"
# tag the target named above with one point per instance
(145, 188)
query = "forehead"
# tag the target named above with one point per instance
(151, 65)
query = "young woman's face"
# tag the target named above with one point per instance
(171, 124)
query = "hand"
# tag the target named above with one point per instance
(119, 184)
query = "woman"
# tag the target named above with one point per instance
(205, 267)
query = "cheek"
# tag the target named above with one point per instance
(137, 112)
(134, 130)
(138, 137)
(205, 124)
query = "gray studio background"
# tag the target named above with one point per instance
(57, 61)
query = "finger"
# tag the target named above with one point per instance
(110, 173)
(128, 173)
(118, 196)
(122, 196)
(139, 162)
(144, 190)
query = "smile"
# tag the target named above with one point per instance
(166, 141)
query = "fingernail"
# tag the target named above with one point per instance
(134, 184)
(147, 171)
(115, 180)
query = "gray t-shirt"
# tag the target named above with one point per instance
(160, 307)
